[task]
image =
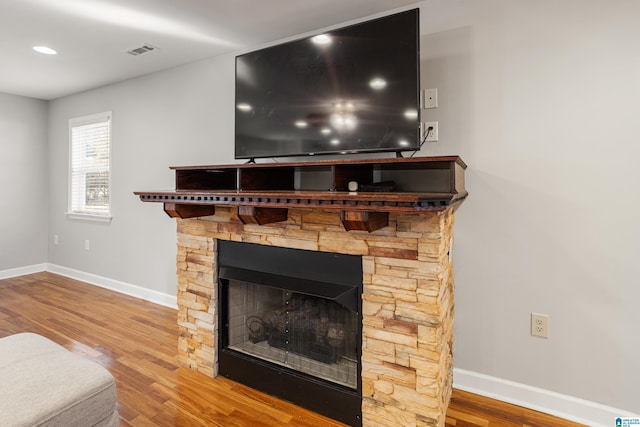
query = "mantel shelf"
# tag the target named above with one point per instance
(423, 184)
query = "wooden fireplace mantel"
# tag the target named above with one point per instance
(263, 192)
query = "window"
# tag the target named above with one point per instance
(90, 167)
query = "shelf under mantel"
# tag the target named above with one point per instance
(263, 193)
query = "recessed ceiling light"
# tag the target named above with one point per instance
(44, 49)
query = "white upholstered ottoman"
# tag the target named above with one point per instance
(43, 384)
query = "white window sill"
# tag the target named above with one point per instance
(88, 217)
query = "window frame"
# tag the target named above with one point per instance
(88, 214)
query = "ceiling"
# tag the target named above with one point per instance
(92, 36)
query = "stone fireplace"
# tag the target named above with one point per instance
(407, 300)
(399, 225)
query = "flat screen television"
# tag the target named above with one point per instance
(350, 90)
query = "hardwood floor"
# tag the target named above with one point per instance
(136, 340)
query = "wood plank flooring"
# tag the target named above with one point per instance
(136, 340)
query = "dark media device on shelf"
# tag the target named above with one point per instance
(349, 90)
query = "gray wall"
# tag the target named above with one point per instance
(183, 116)
(23, 172)
(538, 97)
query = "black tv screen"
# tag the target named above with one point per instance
(349, 90)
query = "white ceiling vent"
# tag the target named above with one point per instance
(141, 49)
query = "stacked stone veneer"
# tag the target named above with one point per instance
(407, 302)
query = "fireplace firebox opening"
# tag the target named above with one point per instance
(291, 325)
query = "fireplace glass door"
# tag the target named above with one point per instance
(307, 333)
(291, 325)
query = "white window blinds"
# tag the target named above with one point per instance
(90, 172)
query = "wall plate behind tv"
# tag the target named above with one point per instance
(430, 98)
(429, 131)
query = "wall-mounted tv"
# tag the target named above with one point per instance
(350, 90)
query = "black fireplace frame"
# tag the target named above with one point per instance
(303, 272)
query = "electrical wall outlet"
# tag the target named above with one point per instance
(56, 239)
(539, 325)
(86, 245)
(429, 131)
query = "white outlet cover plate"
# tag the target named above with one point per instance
(539, 325)
(433, 134)
(430, 98)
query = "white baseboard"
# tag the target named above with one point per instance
(93, 279)
(116, 285)
(21, 271)
(568, 407)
